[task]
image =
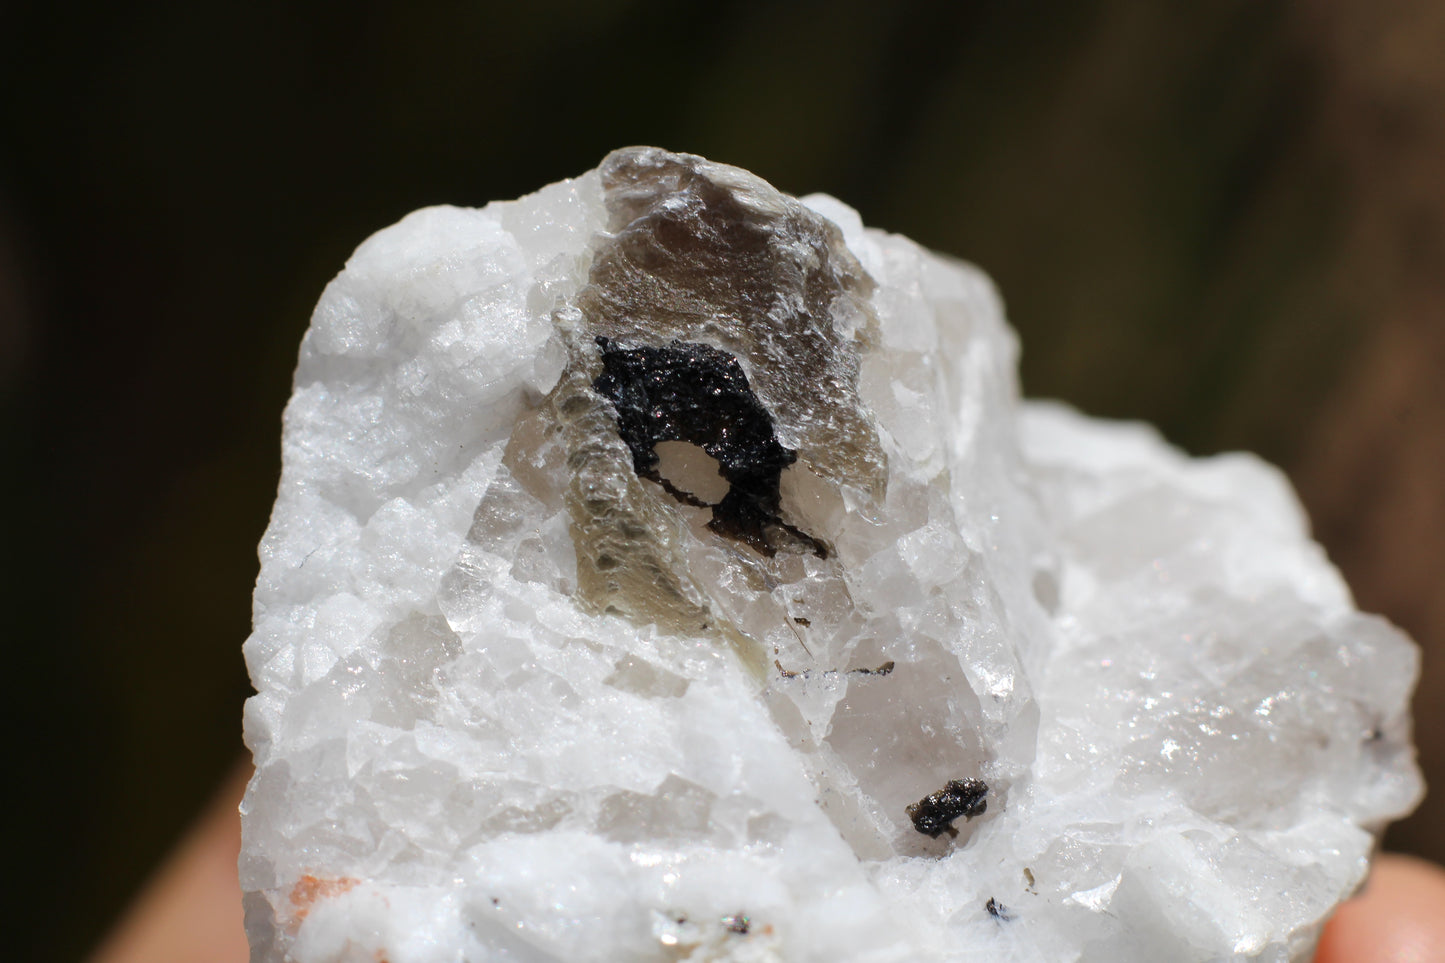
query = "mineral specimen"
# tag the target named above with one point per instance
(665, 568)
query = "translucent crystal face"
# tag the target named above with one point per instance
(665, 568)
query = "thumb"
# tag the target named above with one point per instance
(1399, 917)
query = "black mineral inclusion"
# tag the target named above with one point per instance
(933, 815)
(699, 394)
(997, 910)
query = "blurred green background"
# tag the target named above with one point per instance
(1225, 218)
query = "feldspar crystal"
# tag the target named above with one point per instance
(665, 568)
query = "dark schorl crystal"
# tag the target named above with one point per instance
(997, 910)
(933, 815)
(698, 394)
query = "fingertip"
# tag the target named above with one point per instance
(191, 910)
(1399, 917)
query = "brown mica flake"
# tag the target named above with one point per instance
(705, 253)
(723, 315)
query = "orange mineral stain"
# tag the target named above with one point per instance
(309, 889)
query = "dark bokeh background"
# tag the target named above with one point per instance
(1225, 218)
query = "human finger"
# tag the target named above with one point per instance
(1399, 917)
(190, 911)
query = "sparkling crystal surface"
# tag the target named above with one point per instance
(665, 568)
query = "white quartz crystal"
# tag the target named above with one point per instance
(517, 700)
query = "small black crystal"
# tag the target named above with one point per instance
(933, 815)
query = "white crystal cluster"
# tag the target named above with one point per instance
(529, 689)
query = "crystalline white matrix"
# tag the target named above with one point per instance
(666, 569)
